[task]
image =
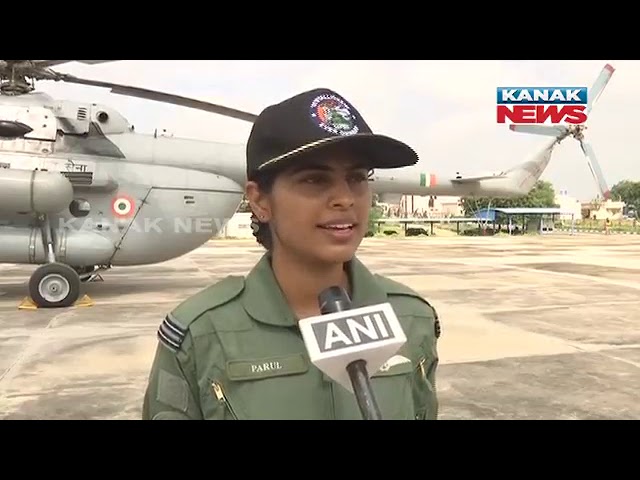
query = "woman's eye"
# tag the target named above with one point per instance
(359, 177)
(313, 179)
(320, 179)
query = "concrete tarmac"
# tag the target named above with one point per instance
(533, 327)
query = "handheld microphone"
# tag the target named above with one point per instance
(348, 344)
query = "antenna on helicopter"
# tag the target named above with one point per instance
(14, 75)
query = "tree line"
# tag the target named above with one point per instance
(627, 191)
(542, 195)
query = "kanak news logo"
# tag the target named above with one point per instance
(542, 105)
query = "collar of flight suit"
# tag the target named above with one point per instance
(265, 302)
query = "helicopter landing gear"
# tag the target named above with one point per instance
(54, 284)
(89, 274)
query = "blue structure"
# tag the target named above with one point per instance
(486, 214)
(489, 215)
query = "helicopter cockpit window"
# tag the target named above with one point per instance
(80, 208)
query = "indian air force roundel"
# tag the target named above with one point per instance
(123, 206)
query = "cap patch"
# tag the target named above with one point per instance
(333, 114)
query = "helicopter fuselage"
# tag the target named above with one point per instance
(156, 214)
(117, 198)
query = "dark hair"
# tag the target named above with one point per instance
(261, 230)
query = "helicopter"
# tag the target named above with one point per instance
(81, 192)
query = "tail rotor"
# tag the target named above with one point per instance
(577, 131)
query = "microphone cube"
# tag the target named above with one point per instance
(372, 333)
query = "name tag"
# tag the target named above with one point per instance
(267, 367)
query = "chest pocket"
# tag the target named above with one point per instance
(280, 387)
(394, 387)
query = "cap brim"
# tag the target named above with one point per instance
(380, 151)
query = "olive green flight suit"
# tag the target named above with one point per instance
(234, 351)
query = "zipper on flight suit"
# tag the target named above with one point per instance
(222, 398)
(333, 402)
(423, 360)
(421, 365)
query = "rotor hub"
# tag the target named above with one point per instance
(15, 88)
(577, 131)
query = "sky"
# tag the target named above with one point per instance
(443, 109)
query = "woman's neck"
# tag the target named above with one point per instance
(301, 282)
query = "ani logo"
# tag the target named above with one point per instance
(334, 115)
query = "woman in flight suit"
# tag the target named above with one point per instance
(233, 350)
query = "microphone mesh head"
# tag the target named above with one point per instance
(334, 299)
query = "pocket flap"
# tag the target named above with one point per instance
(396, 365)
(240, 370)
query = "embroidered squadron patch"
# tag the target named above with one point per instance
(170, 334)
(333, 115)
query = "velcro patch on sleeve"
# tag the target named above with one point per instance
(171, 334)
(173, 391)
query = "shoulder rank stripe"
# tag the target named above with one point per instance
(171, 334)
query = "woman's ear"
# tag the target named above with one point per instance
(258, 202)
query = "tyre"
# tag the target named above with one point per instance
(54, 285)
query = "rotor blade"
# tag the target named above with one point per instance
(596, 171)
(160, 97)
(51, 63)
(598, 86)
(556, 131)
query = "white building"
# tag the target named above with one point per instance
(568, 204)
(598, 209)
(602, 210)
(427, 207)
(238, 226)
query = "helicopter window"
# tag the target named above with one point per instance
(80, 208)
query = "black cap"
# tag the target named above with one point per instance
(314, 119)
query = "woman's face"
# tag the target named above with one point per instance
(319, 209)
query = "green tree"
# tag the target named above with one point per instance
(542, 195)
(374, 214)
(628, 192)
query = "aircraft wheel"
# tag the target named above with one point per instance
(54, 285)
